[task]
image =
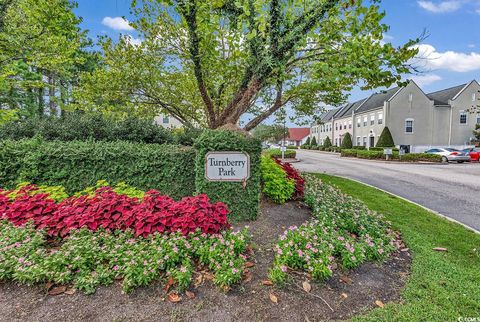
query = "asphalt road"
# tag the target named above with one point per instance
(450, 189)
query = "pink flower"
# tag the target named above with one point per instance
(284, 268)
(380, 251)
(116, 268)
(234, 270)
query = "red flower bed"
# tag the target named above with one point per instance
(112, 211)
(295, 175)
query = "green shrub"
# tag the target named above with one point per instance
(82, 127)
(292, 147)
(76, 165)
(277, 153)
(348, 153)
(314, 142)
(308, 142)
(347, 141)
(305, 146)
(327, 143)
(359, 147)
(276, 185)
(386, 139)
(382, 149)
(242, 200)
(365, 154)
(427, 157)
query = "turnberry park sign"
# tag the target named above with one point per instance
(227, 166)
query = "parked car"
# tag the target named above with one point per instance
(449, 154)
(474, 153)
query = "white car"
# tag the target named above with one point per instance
(449, 154)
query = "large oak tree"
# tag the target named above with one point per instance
(209, 62)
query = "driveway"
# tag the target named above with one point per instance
(450, 189)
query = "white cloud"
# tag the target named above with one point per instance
(478, 11)
(425, 80)
(429, 58)
(133, 41)
(471, 45)
(117, 23)
(440, 7)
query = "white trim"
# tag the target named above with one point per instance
(399, 90)
(413, 125)
(464, 88)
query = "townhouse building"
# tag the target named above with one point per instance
(325, 126)
(417, 121)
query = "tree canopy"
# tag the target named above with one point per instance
(270, 133)
(210, 63)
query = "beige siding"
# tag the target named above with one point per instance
(461, 133)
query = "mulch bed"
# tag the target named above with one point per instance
(343, 296)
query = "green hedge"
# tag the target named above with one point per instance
(365, 154)
(276, 185)
(243, 201)
(382, 149)
(289, 154)
(76, 165)
(349, 153)
(83, 127)
(426, 157)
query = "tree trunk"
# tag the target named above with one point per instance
(51, 95)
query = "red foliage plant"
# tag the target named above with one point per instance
(112, 211)
(295, 175)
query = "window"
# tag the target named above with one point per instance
(372, 119)
(463, 117)
(474, 97)
(350, 124)
(365, 141)
(380, 118)
(336, 126)
(166, 119)
(478, 118)
(359, 122)
(336, 142)
(365, 120)
(358, 141)
(344, 125)
(409, 126)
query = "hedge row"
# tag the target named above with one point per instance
(83, 127)
(76, 165)
(277, 153)
(375, 154)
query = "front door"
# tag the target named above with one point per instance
(372, 141)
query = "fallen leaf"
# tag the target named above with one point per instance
(190, 295)
(198, 280)
(174, 297)
(57, 290)
(379, 303)
(440, 249)
(208, 276)
(404, 274)
(267, 283)
(71, 291)
(346, 279)
(307, 287)
(344, 295)
(249, 264)
(48, 285)
(226, 288)
(247, 276)
(170, 282)
(273, 298)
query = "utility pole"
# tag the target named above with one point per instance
(284, 138)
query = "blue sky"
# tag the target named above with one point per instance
(453, 27)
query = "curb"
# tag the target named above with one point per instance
(414, 203)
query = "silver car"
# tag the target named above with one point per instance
(449, 154)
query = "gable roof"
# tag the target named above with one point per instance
(327, 116)
(347, 109)
(298, 134)
(377, 100)
(442, 97)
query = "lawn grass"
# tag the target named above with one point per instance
(443, 286)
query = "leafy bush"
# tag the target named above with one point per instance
(427, 157)
(84, 127)
(276, 185)
(242, 199)
(277, 153)
(111, 211)
(327, 143)
(386, 139)
(305, 146)
(349, 153)
(314, 142)
(89, 259)
(76, 165)
(292, 147)
(347, 141)
(292, 173)
(359, 147)
(308, 142)
(344, 233)
(366, 154)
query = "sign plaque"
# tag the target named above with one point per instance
(227, 166)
